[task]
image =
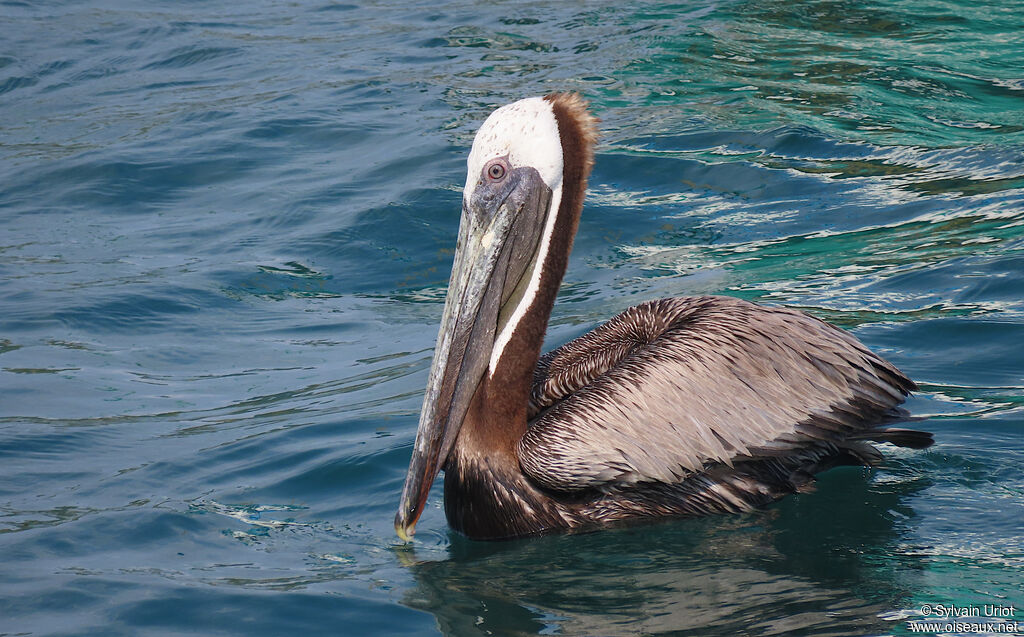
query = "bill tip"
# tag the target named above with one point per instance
(404, 533)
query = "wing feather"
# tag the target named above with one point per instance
(671, 387)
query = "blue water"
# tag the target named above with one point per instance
(225, 235)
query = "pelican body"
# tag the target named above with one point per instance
(676, 407)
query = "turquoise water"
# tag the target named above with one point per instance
(225, 235)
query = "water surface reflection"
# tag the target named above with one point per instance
(808, 565)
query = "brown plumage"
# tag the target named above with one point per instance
(711, 394)
(681, 406)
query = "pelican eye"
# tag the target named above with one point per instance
(496, 171)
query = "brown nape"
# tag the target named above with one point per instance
(578, 130)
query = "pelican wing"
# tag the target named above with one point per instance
(671, 387)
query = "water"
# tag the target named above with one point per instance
(225, 232)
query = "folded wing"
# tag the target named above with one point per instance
(671, 387)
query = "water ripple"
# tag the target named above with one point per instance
(226, 233)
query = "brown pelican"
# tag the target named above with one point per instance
(681, 406)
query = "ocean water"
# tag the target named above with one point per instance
(225, 236)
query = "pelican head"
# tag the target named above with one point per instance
(510, 204)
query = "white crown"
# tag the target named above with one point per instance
(525, 132)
